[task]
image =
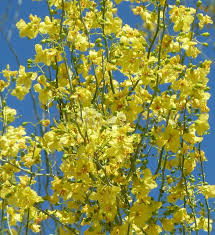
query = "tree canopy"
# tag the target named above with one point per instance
(121, 114)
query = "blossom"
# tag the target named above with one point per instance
(31, 29)
(207, 190)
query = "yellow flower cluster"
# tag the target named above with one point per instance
(122, 156)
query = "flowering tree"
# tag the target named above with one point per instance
(124, 154)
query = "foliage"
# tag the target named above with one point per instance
(124, 156)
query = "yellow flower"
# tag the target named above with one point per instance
(35, 228)
(20, 92)
(23, 83)
(47, 56)
(50, 141)
(202, 123)
(153, 229)
(8, 114)
(81, 42)
(24, 197)
(189, 165)
(31, 29)
(190, 136)
(140, 213)
(203, 20)
(202, 223)
(189, 47)
(168, 224)
(112, 25)
(172, 139)
(50, 27)
(143, 186)
(147, 16)
(182, 17)
(45, 94)
(176, 193)
(13, 216)
(83, 95)
(7, 73)
(208, 190)
(25, 180)
(181, 216)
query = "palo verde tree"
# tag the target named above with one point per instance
(123, 155)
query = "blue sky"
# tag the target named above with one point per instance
(25, 49)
